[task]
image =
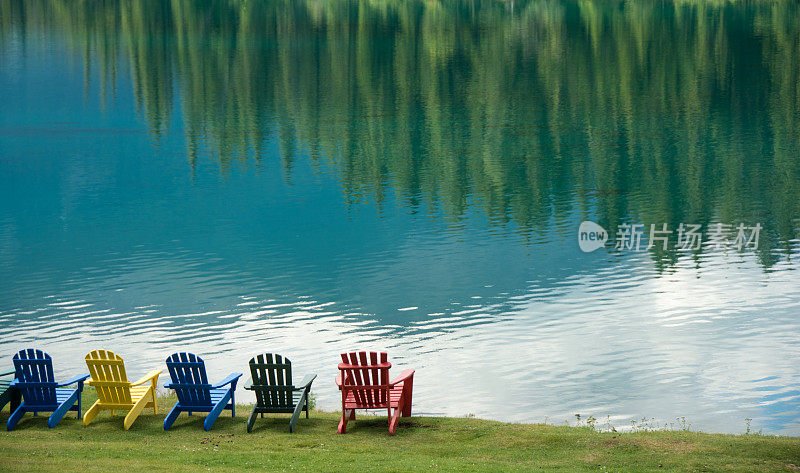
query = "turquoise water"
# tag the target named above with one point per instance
(312, 177)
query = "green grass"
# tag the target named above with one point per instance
(420, 444)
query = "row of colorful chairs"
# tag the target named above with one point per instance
(363, 381)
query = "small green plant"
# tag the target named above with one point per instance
(591, 421)
(312, 400)
(748, 430)
(609, 427)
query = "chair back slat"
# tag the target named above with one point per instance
(188, 373)
(109, 377)
(34, 372)
(367, 376)
(272, 381)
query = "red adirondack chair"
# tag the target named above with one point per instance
(364, 382)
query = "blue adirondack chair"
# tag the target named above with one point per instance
(195, 394)
(40, 392)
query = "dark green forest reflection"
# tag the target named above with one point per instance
(535, 112)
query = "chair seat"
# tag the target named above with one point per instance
(217, 394)
(394, 400)
(296, 395)
(214, 394)
(63, 394)
(138, 392)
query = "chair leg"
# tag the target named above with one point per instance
(252, 419)
(16, 399)
(80, 397)
(91, 413)
(408, 391)
(394, 420)
(172, 416)
(215, 412)
(61, 411)
(133, 414)
(15, 417)
(347, 414)
(297, 410)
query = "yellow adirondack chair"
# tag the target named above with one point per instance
(114, 391)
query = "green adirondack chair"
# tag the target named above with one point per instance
(272, 382)
(7, 393)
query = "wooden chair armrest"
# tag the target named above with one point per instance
(343, 384)
(406, 374)
(76, 379)
(153, 375)
(231, 379)
(249, 384)
(306, 382)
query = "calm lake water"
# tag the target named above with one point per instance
(310, 177)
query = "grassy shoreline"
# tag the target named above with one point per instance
(429, 443)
